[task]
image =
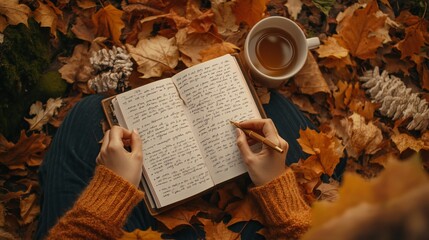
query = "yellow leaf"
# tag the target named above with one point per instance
(404, 141)
(13, 13)
(108, 23)
(331, 48)
(216, 231)
(154, 55)
(141, 234)
(47, 17)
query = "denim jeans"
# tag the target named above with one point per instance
(70, 162)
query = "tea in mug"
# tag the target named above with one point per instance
(273, 51)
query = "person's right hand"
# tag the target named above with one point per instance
(267, 164)
(113, 155)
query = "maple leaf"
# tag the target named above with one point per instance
(356, 31)
(14, 156)
(309, 79)
(328, 149)
(294, 8)
(154, 55)
(404, 141)
(13, 13)
(224, 18)
(228, 193)
(217, 50)
(250, 11)
(108, 23)
(360, 136)
(141, 234)
(217, 230)
(244, 210)
(415, 31)
(47, 17)
(199, 21)
(191, 45)
(43, 114)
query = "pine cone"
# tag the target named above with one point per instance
(397, 101)
(112, 67)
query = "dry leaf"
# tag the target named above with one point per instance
(108, 23)
(331, 48)
(227, 194)
(216, 231)
(304, 104)
(404, 141)
(244, 210)
(43, 114)
(415, 31)
(13, 13)
(47, 17)
(294, 8)
(14, 156)
(356, 31)
(29, 209)
(83, 27)
(141, 234)
(154, 55)
(217, 50)
(328, 191)
(250, 11)
(309, 79)
(224, 18)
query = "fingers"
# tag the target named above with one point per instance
(116, 135)
(136, 143)
(242, 144)
(266, 126)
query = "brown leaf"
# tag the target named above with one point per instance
(224, 18)
(108, 23)
(217, 50)
(404, 141)
(47, 16)
(310, 79)
(303, 102)
(29, 209)
(250, 11)
(43, 113)
(154, 55)
(244, 210)
(217, 230)
(141, 234)
(360, 136)
(328, 149)
(331, 48)
(227, 194)
(202, 23)
(328, 191)
(16, 155)
(68, 104)
(414, 34)
(355, 32)
(13, 13)
(307, 173)
(2, 213)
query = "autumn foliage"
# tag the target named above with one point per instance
(164, 37)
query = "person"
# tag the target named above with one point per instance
(90, 192)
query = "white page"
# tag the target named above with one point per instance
(215, 93)
(172, 161)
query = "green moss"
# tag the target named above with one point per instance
(51, 84)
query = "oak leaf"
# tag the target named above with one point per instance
(43, 114)
(404, 141)
(309, 79)
(141, 234)
(250, 11)
(356, 32)
(108, 23)
(13, 13)
(154, 55)
(294, 8)
(360, 137)
(217, 50)
(217, 230)
(15, 156)
(47, 16)
(328, 149)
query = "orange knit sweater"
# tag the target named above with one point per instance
(102, 209)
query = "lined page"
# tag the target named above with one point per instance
(173, 164)
(215, 93)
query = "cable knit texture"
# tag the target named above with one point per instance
(287, 215)
(101, 210)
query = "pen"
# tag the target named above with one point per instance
(258, 137)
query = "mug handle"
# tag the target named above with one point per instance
(313, 43)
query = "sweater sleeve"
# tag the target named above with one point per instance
(101, 210)
(287, 215)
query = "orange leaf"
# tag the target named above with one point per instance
(414, 34)
(141, 234)
(250, 11)
(13, 13)
(310, 79)
(217, 230)
(404, 141)
(228, 193)
(328, 149)
(356, 31)
(17, 155)
(108, 23)
(217, 50)
(47, 17)
(244, 210)
(29, 209)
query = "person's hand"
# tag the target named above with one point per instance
(267, 164)
(113, 155)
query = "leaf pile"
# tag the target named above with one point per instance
(164, 37)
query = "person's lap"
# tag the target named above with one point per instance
(69, 164)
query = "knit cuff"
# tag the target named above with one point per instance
(109, 197)
(280, 199)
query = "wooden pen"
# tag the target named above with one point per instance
(258, 137)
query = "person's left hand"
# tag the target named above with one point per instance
(126, 164)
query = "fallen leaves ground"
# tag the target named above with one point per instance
(164, 37)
